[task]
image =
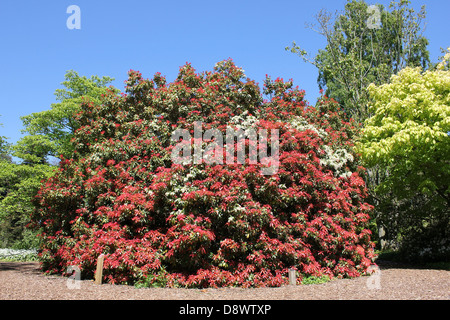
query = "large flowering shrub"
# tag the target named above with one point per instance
(206, 224)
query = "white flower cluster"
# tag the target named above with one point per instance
(244, 122)
(337, 160)
(16, 254)
(301, 124)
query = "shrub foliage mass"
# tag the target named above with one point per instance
(206, 224)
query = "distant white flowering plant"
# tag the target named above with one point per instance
(18, 254)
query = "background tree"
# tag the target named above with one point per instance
(19, 183)
(368, 44)
(49, 132)
(359, 52)
(408, 136)
(4, 147)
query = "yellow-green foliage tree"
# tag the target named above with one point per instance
(408, 135)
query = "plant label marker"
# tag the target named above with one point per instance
(99, 271)
(292, 277)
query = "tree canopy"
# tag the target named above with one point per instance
(359, 52)
(408, 132)
(49, 132)
(408, 136)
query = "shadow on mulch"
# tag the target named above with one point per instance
(388, 264)
(24, 267)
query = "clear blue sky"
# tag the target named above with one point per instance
(37, 48)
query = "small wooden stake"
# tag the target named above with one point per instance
(292, 277)
(99, 271)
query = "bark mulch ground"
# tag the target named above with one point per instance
(24, 281)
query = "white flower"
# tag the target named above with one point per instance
(336, 160)
(301, 124)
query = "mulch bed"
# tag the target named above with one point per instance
(24, 281)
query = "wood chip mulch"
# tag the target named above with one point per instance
(24, 281)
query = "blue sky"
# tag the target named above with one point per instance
(37, 48)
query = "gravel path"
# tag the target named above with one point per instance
(23, 281)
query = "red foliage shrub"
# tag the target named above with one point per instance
(204, 224)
